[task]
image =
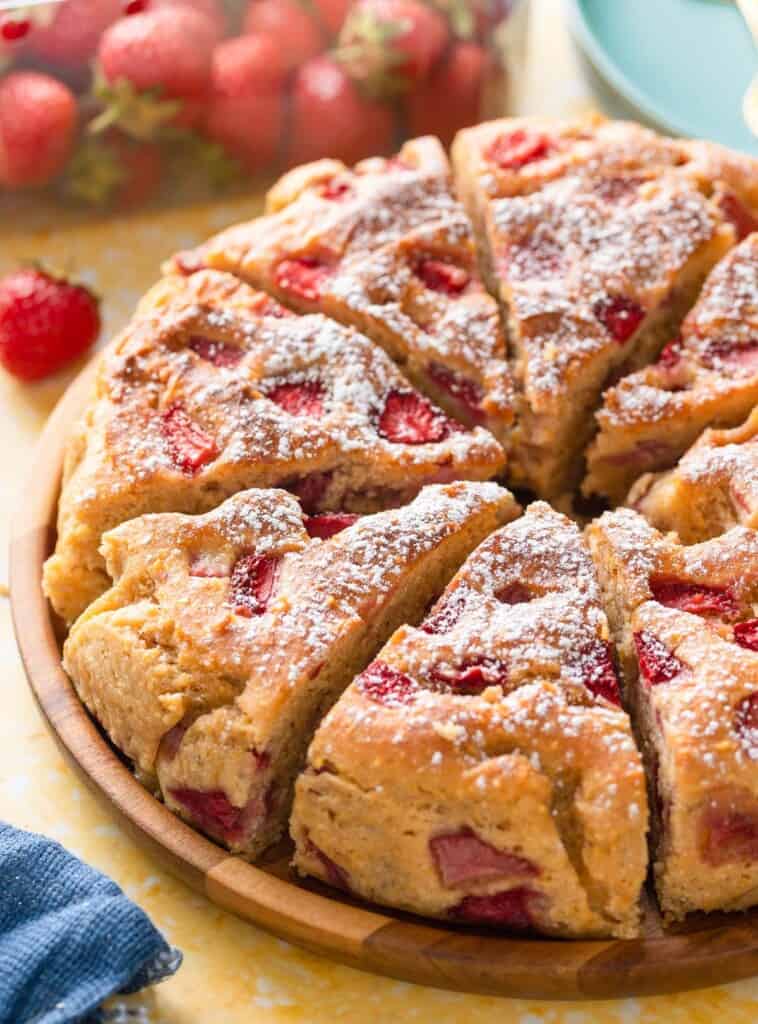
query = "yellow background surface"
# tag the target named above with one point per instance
(233, 973)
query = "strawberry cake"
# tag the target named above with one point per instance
(225, 636)
(194, 403)
(713, 488)
(481, 769)
(290, 453)
(684, 622)
(386, 248)
(707, 376)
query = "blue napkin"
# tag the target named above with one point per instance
(69, 938)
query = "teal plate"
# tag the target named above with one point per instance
(683, 64)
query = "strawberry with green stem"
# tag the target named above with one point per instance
(389, 46)
(113, 170)
(153, 71)
(45, 322)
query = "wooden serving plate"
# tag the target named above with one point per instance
(707, 950)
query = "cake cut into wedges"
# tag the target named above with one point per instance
(686, 631)
(194, 402)
(713, 488)
(707, 376)
(226, 636)
(481, 769)
(595, 270)
(384, 247)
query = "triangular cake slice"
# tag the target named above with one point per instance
(596, 264)
(195, 402)
(481, 768)
(226, 636)
(713, 488)
(707, 376)
(384, 247)
(688, 639)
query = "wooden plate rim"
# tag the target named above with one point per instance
(722, 949)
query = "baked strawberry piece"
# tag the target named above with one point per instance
(226, 636)
(213, 391)
(481, 769)
(713, 487)
(707, 376)
(386, 248)
(684, 622)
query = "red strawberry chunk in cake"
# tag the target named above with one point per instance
(253, 580)
(745, 222)
(189, 446)
(728, 836)
(464, 391)
(513, 908)
(217, 352)
(335, 875)
(746, 722)
(302, 278)
(211, 811)
(336, 190)
(600, 674)
(472, 675)
(620, 316)
(408, 418)
(514, 593)
(696, 598)
(310, 489)
(746, 634)
(445, 615)
(385, 685)
(464, 857)
(657, 663)
(441, 276)
(518, 148)
(302, 399)
(328, 524)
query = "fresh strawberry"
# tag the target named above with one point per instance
(290, 26)
(155, 68)
(389, 46)
(113, 170)
(188, 444)
(386, 685)
(38, 119)
(408, 418)
(71, 39)
(212, 9)
(460, 78)
(329, 524)
(332, 13)
(246, 107)
(330, 117)
(253, 580)
(45, 322)
(620, 316)
(305, 398)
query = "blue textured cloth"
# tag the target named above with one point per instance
(69, 938)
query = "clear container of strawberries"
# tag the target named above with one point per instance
(114, 104)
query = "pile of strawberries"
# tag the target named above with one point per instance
(106, 99)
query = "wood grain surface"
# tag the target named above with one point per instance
(706, 950)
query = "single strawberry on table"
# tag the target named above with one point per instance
(388, 46)
(331, 117)
(38, 120)
(45, 322)
(290, 25)
(246, 105)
